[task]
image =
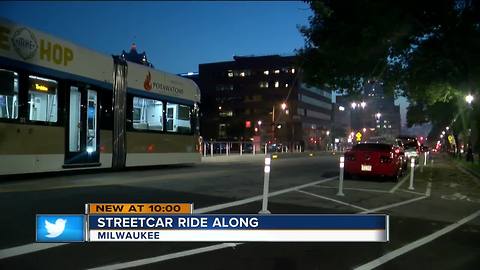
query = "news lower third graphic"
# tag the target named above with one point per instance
(60, 228)
(171, 222)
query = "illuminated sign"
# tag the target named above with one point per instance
(359, 136)
(41, 87)
(451, 139)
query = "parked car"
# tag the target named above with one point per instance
(411, 146)
(375, 159)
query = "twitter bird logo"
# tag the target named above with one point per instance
(55, 229)
(60, 228)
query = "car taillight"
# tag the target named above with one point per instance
(397, 151)
(385, 159)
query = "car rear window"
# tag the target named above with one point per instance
(410, 144)
(372, 147)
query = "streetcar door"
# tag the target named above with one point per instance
(82, 128)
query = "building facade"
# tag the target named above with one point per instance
(373, 114)
(262, 98)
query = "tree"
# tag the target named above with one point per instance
(427, 51)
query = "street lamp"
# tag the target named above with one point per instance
(363, 104)
(364, 130)
(469, 98)
(284, 106)
(259, 122)
(378, 115)
(328, 132)
(354, 105)
(447, 128)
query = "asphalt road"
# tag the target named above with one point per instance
(424, 228)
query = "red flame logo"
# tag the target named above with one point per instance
(147, 84)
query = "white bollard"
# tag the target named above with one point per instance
(266, 180)
(425, 159)
(204, 149)
(412, 171)
(253, 150)
(266, 146)
(421, 164)
(227, 146)
(340, 180)
(241, 149)
(211, 149)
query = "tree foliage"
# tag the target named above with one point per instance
(428, 51)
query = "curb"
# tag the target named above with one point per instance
(261, 156)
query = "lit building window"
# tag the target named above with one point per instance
(230, 73)
(266, 72)
(263, 84)
(277, 84)
(286, 85)
(277, 71)
(242, 74)
(293, 71)
(226, 113)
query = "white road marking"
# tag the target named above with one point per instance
(333, 200)
(35, 247)
(166, 257)
(399, 183)
(411, 192)
(28, 248)
(420, 242)
(357, 189)
(393, 205)
(259, 197)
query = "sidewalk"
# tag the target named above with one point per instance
(232, 157)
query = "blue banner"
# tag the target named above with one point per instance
(238, 222)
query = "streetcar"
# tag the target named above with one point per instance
(64, 107)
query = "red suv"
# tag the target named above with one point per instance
(375, 159)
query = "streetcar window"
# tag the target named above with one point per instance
(42, 99)
(147, 114)
(179, 118)
(8, 94)
(106, 114)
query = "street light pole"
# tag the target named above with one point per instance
(273, 122)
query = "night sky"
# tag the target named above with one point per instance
(177, 36)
